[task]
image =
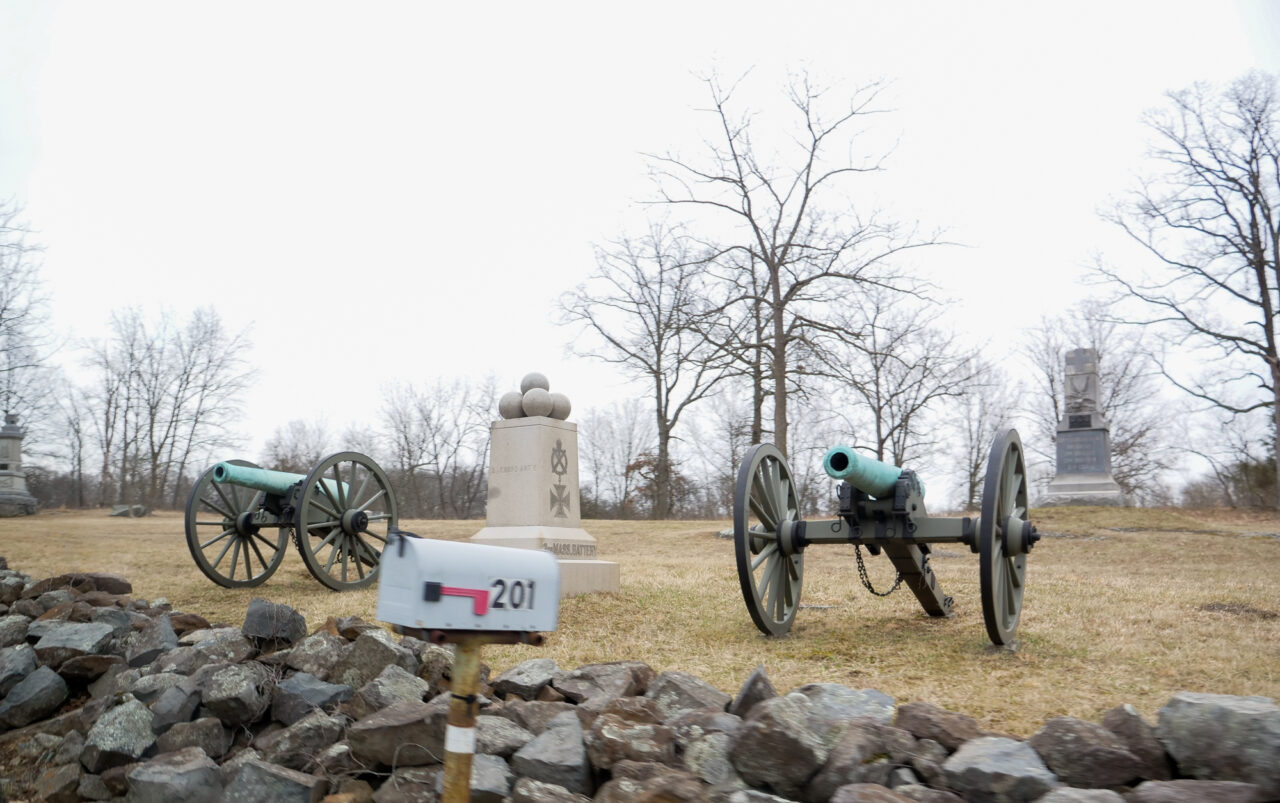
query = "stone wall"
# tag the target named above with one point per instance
(107, 697)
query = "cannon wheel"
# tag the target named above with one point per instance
(218, 528)
(764, 499)
(346, 511)
(1003, 575)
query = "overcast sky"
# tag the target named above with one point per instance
(400, 191)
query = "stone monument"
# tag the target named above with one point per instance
(1084, 441)
(533, 498)
(15, 499)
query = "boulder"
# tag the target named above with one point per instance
(64, 640)
(394, 684)
(301, 693)
(998, 769)
(187, 775)
(1190, 791)
(120, 736)
(372, 652)
(679, 691)
(317, 654)
(406, 734)
(16, 662)
(1085, 754)
(756, 688)
(928, 721)
(13, 629)
(833, 705)
(271, 626)
(613, 738)
(206, 733)
(1139, 738)
(238, 694)
(776, 748)
(1224, 738)
(499, 736)
(59, 784)
(257, 781)
(33, 698)
(155, 638)
(526, 678)
(557, 756)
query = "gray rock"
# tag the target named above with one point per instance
(64, 640)
(271, 626)
(176, 704)
(1187, 791)
(92, 787)
(557, 756)
(298, 745)
(532, 715)
(491, 779)
(147, 644)
(187, 775)
(407, 734)
(224, 645)
(317, 654)
(410, 785)
(1066, 794)
(755, 796)
(393, 685)
(595, 683)
(120, 736)
(927, 757)
(372, 652)
(1224, 738)
(207, 733)
(690, 726)
(866, 793)
(256, 781)
(435, 663)
(301, 693)
(1140, 739)
(1084, 754)
(499, 736)
(50, 599)
(337, 760)
(652, 783)
(231, 767)
(526, 678)
(928, 721)
(834, 705)
(527, 790)
(13, 630)
(85, 669)
(16, 662)
(121, 623)
(613, 738)
(852, 760)
(707, 757)
(59, 784)
(149, 688)
(755, 689)
(996, 769)
(679, 691)
(238, 694)
(33, 698)
(923, 794)
(776, 748)
(10, 590)
(70, 748)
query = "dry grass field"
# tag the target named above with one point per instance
(1122, 606)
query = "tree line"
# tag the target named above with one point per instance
(764, 298)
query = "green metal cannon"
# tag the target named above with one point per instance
(882, 508)
(339, 516)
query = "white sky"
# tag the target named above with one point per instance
(400, 191)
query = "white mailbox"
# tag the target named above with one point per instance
(447, 585)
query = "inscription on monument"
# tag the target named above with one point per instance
(1079, 421)
(1082, 452)
(563, 549)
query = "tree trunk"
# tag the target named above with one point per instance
(779, 365)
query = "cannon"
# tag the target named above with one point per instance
(340, 515)
(882, 508)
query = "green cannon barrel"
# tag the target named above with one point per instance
(263, 479)
(867, 475)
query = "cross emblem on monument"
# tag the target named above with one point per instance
(1082, 361)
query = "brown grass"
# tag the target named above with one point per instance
(1122, 606)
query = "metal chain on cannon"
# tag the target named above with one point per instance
(866, 581)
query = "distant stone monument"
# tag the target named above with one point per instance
(1084, 441)
(15, 500)
(533, 499)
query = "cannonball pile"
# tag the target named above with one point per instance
(533, 399)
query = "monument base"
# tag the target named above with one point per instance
(580, 572)
(1095, 490)
(17, 503)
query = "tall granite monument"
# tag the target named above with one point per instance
(15, 499)
(1084, 441)
(533, 499)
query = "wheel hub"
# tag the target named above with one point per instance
(245, 525)
(355, 521)
(1019, 536)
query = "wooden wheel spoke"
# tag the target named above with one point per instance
(365, 505)
(765, 554)
(359, 494)
(216, 539)
(212, 505)
(761, 508)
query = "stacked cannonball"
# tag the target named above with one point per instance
(534, 399)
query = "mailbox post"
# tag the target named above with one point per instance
(468, 595)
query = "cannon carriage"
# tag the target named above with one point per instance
(882, 508)
(339, 516)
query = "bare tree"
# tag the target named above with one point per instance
(439, 441)
(796, 240)
(611, 441)
(985, 406)
(901, 369)
(26, 340)
(297, 446)
(1210, 221)
(647, 304)
(1128, 395)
